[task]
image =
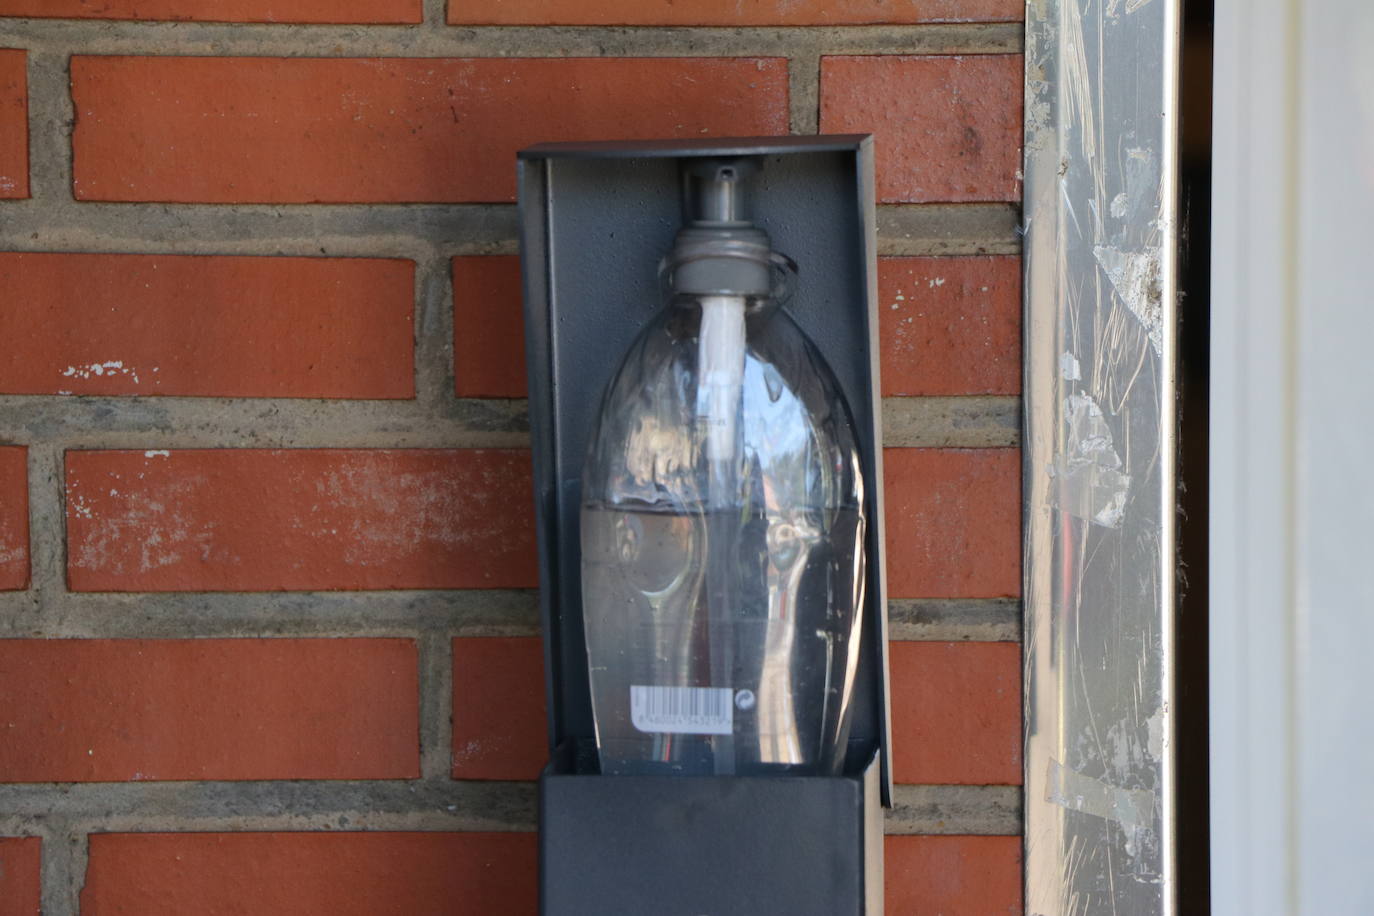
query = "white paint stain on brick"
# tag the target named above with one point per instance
(107, 369)
(12, 550)
(139, 531)
(392, 514)
(471, 749)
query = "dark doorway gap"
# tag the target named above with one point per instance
(1194, 312)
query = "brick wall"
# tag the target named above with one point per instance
(268, 638)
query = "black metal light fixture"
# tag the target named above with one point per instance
(710, 528)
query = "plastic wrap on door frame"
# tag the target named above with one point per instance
(1101, 234)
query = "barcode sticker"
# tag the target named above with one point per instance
(683, 710)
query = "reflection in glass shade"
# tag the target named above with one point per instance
(722, 552)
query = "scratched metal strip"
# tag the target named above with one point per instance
(1101, 252)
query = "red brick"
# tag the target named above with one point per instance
(730, 12)
(950, 326)
(276, 130)
(98, 710)
(14, 518)
(499, 728)
(488, 328)
(953, 875)
(341, 11)
(116, 324)
(21, 859)
(14, 124)
(311, 874)
(946, 129)
(304, 519)
(956, 713)
(953, 521)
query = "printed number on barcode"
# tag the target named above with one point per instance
(683, 710)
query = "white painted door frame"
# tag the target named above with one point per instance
(1292, 459)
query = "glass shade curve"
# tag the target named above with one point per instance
(722, 533)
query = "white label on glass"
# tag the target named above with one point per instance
(683, 710)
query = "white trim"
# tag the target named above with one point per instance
(1292, 407)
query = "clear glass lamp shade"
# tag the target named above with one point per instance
(722, 548)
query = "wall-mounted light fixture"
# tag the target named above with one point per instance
(710, 525)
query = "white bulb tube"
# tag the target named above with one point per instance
(720, 364)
